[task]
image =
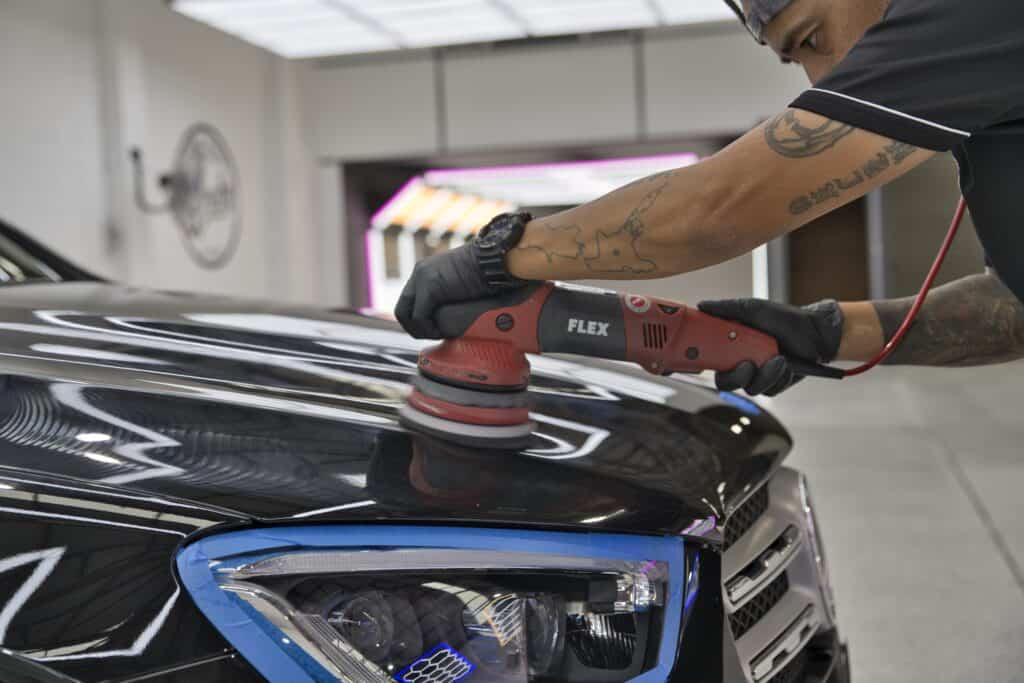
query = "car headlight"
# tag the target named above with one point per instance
(814, 532)
(377, 613)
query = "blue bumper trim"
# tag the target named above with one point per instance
(279, 660)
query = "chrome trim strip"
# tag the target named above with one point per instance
(743, 587)
(786, 646)
(425, 559)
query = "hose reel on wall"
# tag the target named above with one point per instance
(202, 191)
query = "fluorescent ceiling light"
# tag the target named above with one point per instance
(100, 457)
(92, 437)
(310, 28)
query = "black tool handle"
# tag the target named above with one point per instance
(802, 367)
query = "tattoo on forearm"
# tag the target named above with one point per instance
(893, 154)
(563, 242)
(788, 135)
(606, 251)
(973, 321)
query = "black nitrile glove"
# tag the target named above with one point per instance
(810, 334)
(473, 271)
(447, 278)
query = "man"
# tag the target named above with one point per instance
(895, 81)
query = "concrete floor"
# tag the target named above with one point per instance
(918, 477)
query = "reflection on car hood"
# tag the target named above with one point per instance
(257, 411)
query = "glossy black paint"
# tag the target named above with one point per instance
(87, 578)
(132, 421)
(17, 668)
(284, 414)
(701, 637)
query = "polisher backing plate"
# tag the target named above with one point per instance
(507, 437)
(469, 397)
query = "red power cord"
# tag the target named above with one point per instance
(958, 218)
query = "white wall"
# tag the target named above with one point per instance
(84, 80)
(376, 109)
(544, 95)
(51, 170)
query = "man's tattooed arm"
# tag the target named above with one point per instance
(753, 190)
(973, 321)
(791, 137)
(892, 155)
(617, 250)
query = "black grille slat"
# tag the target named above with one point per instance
(751, 613)
(745, 516)
(795, 671)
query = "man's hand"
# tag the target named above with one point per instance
(811, 334)
(473, 271)
(446, 278)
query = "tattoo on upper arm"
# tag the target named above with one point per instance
(976, 320)
(608, 251)
(791, 137)
(893, 154)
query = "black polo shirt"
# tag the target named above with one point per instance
(947, 75)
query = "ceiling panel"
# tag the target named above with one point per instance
(307, 28)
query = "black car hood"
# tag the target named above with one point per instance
(250, 411)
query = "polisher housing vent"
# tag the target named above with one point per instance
(655, 335)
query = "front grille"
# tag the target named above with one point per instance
(794, 672)
(745, 516)
(744, 619)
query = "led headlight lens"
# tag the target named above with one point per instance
(441, 616)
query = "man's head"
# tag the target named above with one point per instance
(817, 34)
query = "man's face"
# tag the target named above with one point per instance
(817, 34)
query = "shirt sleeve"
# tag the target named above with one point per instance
(931, 73)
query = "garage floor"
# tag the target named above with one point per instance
(919, 479)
